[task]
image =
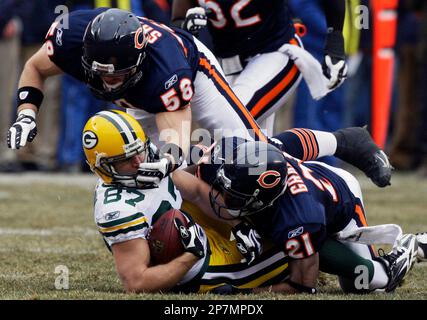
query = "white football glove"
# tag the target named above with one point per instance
(195, 19)
(24, 129)
(248, 241)
(335, 71)
(151, 173)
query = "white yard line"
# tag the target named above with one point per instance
(76, 232)
(80, 180)
(48, 250)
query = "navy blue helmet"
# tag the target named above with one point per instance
(250, 181)
(113, 48)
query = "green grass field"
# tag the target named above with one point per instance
(47, 221)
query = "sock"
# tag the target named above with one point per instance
(327, 143)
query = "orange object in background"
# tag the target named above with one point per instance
(384, 38)
(300, 29)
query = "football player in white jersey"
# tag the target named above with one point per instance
(115, 145)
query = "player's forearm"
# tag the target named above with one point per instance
(161, 277)
(197, 192)
(36, 70)
(175, 127)
(30, 77)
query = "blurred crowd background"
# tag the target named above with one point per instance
(68, 103)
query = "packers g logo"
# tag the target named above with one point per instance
(266, 182)
(89, 139)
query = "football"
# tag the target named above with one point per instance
(164, 240)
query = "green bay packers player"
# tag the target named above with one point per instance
(115, 145)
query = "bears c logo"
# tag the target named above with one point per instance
(269, 179)
(89, 139)
(140, 34)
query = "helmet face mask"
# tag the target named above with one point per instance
(235, 206)
(113, 46)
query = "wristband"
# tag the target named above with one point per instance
(29, 95)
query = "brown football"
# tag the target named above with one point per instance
(164, 240)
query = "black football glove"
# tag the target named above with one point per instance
(248, 241)
(334, 66)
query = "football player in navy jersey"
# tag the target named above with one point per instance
(308, 209)
(155, 72)
(246, 36)
(141, 65)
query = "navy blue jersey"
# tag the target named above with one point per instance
(242, 27)
(168, 70)
(317, 202)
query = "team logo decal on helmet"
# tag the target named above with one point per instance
(111, 137)
(264, 177)
(90, 139)
(139, 44)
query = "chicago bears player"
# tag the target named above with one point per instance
(247, 34)
(115, 144)
(140, 65)
(300, 205)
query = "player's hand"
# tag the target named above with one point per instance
(24, 129)
(190, 237)
(248, 241)
(334, 66)
(195, 20)
(335, 70)
(151, 173)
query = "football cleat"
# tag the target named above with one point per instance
(355, 146)
(422, 246)
(399, 261)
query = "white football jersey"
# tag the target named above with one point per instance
(123, 214)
